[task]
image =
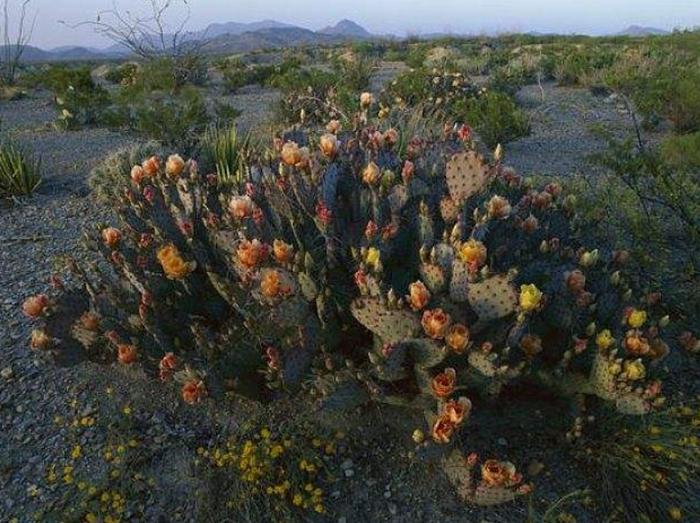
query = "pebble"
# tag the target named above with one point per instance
(7, 373)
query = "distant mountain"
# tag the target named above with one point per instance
(346, 28)
(236, 28)
(638, 30)
(268, 39)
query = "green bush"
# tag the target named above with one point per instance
(20, 174)
(123, 74)
(682, 152)
(496, 118)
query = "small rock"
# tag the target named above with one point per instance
(393, 509)
(534, 468)
(502, 442)
(349, 473)
(347, 464)
(387, 494)
(342, 519)
(7, 373)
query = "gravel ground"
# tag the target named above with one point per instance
(38, 399)
(562, 120)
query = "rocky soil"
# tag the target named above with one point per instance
(43, 407)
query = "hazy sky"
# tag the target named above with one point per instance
(390, 16)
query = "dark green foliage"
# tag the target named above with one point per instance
(496, 118)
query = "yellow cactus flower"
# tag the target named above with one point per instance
(373, 258)
(530, 297)
(634, 370)
(604, 340)
(637, 318)
(473, 253)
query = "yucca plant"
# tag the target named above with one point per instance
(20, 174)
(226, 153)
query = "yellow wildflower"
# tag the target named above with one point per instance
(604, 339)
(637, 318)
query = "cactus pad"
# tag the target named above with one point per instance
(391, 325)
(459, 283)
(466, 175)
(433, 276)
(493, 298)
(449, 210)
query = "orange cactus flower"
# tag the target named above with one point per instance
(496, 473)
(193, 391)
(40, 340)
(151, 166)
(333, 126)
(283, 252)
(174, 165)
(418, 295)
(435, 323)
(371, 174)
(90, 321)
(457, 410)
(291, 154)
(167, 366)
(34, 306)
(329, 145)
(271, 284)
(366, 99)
(111, 236)
(442, 429)
(251, 253)
(137, 174)
(126, 354)
(457, 338)
(240, 207)
(635, 344)
(391, 136)
(174, 266)
(444, 383)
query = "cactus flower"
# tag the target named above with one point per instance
(90, 321)
(371, 230)
(34, 306)
(333, 126)
(498, 208)
(151, 166)
(137, 174)
(371, 174)
(329, 145)
(126, 354)
(636, 318)
(391, 136)
(240, 207)
(496, 473)
(473, 253)
(40, 340)
(443, 384)
(324, 214)
(291, 154)
(604, 340)
(589, 258)
(530, 297)
(635, 344)
(111, 236)
(283, 252)
(435, 323)
(457, 410)
(373, 258)
(174, 266)
(366, 99)
(418, 436)
(167, 366)
(251, 253)
(633, 370)
(575, 281)
(174, 165)
(457, 338)
(418, 295)
(193, 391)
(407, 171)
(271, 284)
(442, 429)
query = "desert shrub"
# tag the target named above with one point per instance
(416, 56)
(79, 100)
(496, 118)
(317, 95)
(355, 71)
(190, 68)
(20, 174)
(646, 469)
(237, 74)
(226, 153)
(362, 272)
(123, 74)
(11, 93)
(649, 207)
(682, 152)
